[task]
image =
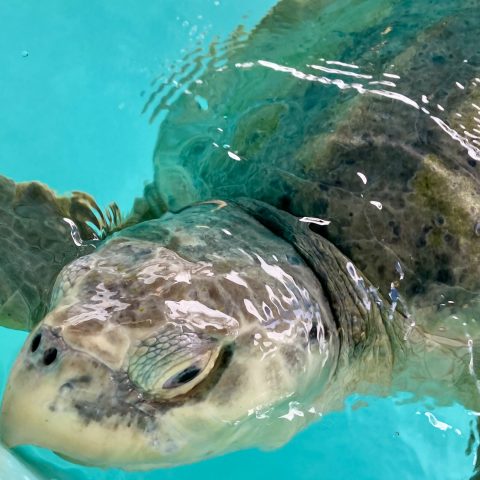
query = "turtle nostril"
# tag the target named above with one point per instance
(49, 356)
(36, 342)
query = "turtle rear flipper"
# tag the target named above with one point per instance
(40, 233)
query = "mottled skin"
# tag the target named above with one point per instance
(35, 245)
(111, 363)
(151, 302)
(208, 330)
(40, 233)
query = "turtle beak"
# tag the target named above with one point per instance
(40, 402)
(67, 401)
(19, 422)
(33, 390)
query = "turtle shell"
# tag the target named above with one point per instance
(385, 150)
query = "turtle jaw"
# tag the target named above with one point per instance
(90, 414)
(74, 406)
(84, 411)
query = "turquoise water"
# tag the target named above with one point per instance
(74, 82)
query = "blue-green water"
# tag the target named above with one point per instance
(72, 83)
(71, 94)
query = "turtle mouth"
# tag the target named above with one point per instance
(63, 400)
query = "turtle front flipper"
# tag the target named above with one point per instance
(40, 233)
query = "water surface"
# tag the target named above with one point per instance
(85, 90)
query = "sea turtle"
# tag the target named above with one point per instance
(259, 283)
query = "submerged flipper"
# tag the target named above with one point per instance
(39, 234)
(13, 467)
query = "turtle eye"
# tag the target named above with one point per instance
(185, 376)
(171, 365)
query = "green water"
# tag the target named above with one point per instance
(74, 82)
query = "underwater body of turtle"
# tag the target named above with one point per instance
(159, 340)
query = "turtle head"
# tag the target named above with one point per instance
(160, 350)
